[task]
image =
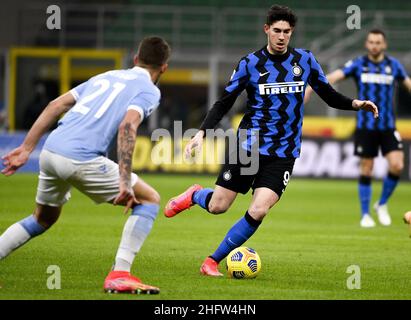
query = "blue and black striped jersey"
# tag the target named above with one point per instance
(375, 82)
(275, 86)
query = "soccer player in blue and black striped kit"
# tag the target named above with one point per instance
(375, 75)
(275, 78)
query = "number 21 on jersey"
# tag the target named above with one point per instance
(84, 105)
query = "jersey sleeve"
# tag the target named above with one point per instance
(78, 90)
(239, 78)
(401, 73)
(145, 103)
(317, 76)
(349, 68)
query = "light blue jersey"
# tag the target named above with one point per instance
(87, 130)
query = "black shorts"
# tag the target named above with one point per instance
(368, 142)
(273, 173)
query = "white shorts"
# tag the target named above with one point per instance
(98, 179)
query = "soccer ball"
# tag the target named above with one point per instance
(243, 263)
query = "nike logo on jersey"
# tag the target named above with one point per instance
(281, 87)
(263, 74)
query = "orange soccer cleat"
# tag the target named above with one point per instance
(210, 268)
(124, 282)
(181, 202)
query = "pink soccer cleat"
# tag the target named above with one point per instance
(210, 268)
(181, 202)
(124, 282)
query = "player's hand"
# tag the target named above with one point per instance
(195, 144)
(126, 198)
(14, 160)
(365, 105)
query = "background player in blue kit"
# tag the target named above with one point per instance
(375, 75)
(275, 78)
(74, 154)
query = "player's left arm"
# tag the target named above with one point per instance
(19, 156)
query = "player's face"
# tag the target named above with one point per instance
(375, 44)
(278, 36)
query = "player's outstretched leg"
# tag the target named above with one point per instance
(263, 199)
(21, 232)
(215, 201)
(236, 236)
(195, 194)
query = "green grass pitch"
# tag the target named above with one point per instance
(306, 244)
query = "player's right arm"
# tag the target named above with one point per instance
(235, 86)
(140, 107)
(127, 133)
(54, 110)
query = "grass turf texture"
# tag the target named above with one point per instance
(306, 245)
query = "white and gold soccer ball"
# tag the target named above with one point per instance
(243, 263)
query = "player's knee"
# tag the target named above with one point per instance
(366, 168)
(217, 208)
(154, 198)
(258, 211)
(397, 167)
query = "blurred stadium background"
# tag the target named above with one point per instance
(208, 38)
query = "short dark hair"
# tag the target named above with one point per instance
(377, 31)
(153, 52)
(281, 13)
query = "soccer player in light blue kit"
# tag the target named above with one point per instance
(74, 155)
